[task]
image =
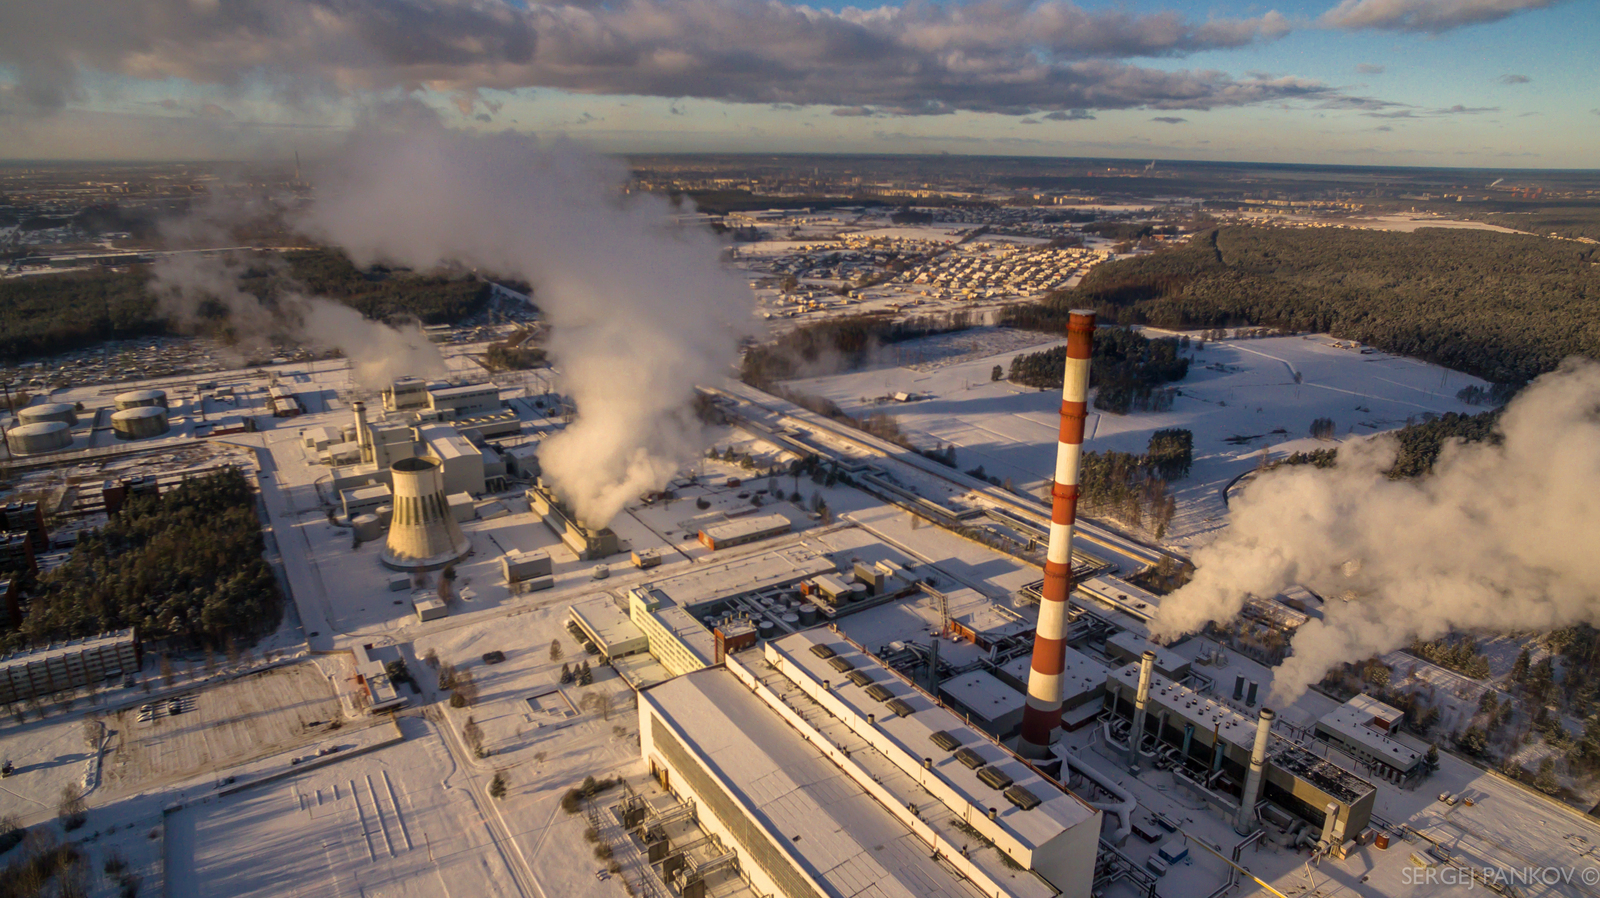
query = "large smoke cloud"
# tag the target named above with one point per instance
(640, 309)
(989, 55)
(1501, 536)
(195, 290)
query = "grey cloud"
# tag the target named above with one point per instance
(1513, 79)
(1457, 109)
(1070, 115)
(1367, 68)
(1002, 56)
(855, 112)
(1426, 16)
(1169, 119)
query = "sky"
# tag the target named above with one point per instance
(1480, 83)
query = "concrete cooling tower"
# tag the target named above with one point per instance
(422, 534)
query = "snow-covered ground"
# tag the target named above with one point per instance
(1241, 397)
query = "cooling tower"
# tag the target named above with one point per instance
(1042, 715)
(422, 533)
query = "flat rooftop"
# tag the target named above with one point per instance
(1353, 721)
(984, 693)
(836, 832)
(911, 736)
(601, 617)
(1079, 676)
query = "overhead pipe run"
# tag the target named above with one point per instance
(1042, 715)
(1124, 805)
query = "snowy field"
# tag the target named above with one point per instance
(1241, 398)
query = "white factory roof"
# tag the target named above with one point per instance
(744, 527)
(1353, 721)
(464, 390)
(744, 574)
(984, 693)
(1079, 676)
(690, 632)
(375, 491)
(1137, 645)
(1205, 713)
(448, 444)
(909, 737)
(601, 617)
(807, 806)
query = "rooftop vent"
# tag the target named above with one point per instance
(840, 664)
(900, 708)
(879, 692)
(994, 777)
(858, 678)
(1022, 798)
(970, 758)
(822, 651)
(944, 740)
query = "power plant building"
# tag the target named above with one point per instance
(462, 462)
(853, 778)
(423, 535)
(1361, 728)
(678, 641)
(741, 531)
(588, 544)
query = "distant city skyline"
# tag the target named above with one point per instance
(1481, 83)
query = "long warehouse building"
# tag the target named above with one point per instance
(835, 782)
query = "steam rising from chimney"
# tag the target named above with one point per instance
(640, 310)
(1501, 536)
(190, 287)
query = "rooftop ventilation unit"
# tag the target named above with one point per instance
(944, 740)
(879, 692)
(900, 708)
(970, 758)
(840, 664)
(994, 778)
(859, 678)
(1022, 798)
(822, 651)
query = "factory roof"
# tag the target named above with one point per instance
(447, 443)
(1206, 713)
(748, 527)
(689, 632)
(602, 618)
(910, 737)
(1320, 772)
(747, 573)
(464, 390)
(1080, 675)
(1353, 721)
(1134, 644)
(830, 828)
(984, 694)
(375, 491)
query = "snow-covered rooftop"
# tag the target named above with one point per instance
(805, 804)
(1353, 721)
(984, 693)
(1080, 674)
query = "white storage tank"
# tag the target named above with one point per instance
(140, 399)
(48, 411)
(44, 436)
(139, 422)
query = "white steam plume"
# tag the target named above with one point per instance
(1499, 537)
(191, 287)
(640, 311)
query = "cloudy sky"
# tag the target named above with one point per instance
(1497, 83)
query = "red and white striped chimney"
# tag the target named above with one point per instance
(1042, 715)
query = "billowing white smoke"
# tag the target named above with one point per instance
(1499, 537)
(189, 287)
(640, 310)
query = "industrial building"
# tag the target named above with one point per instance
(1083, 685)
(1215, 747)
(608, 628)
(679, 642)
(423, 535)
(375, 684)
(67, 665)
(741, 531)
(801, 749)
(586, 543)
(518, 565)
(1362, 728)
(462, 462)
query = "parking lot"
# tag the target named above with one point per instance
(219, 726)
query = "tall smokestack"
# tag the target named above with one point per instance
(1246, 820)
(1042, 716)
(1147, 663)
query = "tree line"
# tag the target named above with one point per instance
(1504, 307)
(56, 313)
(1127, 367)
(838, 344)
(185, 567)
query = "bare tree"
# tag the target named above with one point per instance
(71, 810)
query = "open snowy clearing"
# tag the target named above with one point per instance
(1241, 398)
